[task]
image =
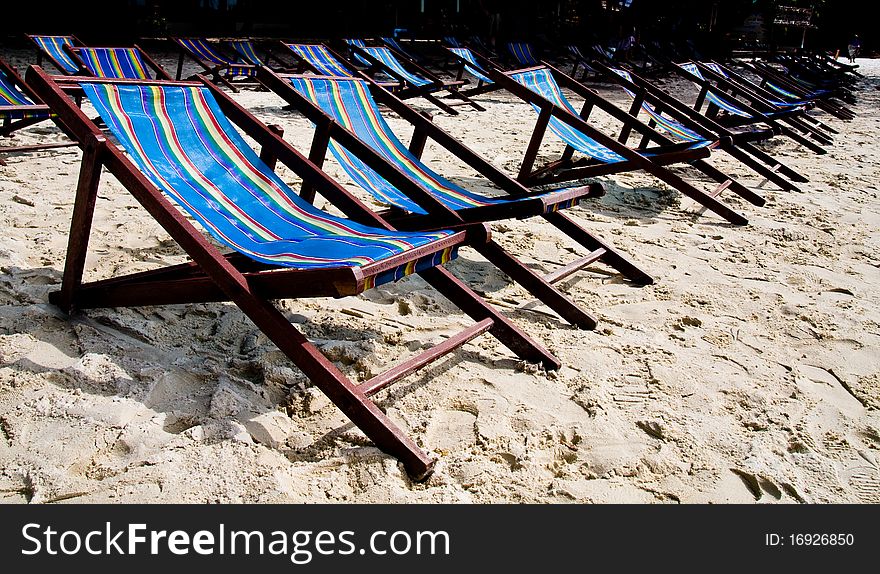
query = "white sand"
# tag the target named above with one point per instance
(748, 372)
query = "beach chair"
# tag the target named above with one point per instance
(785, 87)
(20, 108)
(416, 80)
(247, 49)
(523, 54)
(357, 43)
(685, 124)
(121, 63)
(733, 109)
(541, 87)
(759, 94)
(579, 62)
(467, 63)
(349, 125)
(323, 61)
(52, 49)
(180, 155)
(224, 68)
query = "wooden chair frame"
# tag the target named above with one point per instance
(440, 215)
(9, 125)
(665, 152)
(213, 276)
(220, 73)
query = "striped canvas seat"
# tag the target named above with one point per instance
(358, 43)
(387, 57)
(205, 51)
(350, 103)
(182, 142)
(473, 68)
(778, 103)
(669, 125)
(11, 101)
(452, 42)
(522, 52)
(541, 82)
(114, 63)
(53, 46)
(320, 59)
(247, 51)
(714, 98)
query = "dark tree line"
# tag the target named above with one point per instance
(712, 23)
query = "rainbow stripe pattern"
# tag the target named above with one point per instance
(180, 139)
(317, 56)
(201, 49)
(350, 103)
(247, 50)
(11, 97)
(522, 53)
(53, 46)
(124, 63)
(388, 59)
(472, 67)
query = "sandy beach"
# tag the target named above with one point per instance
(748, 372)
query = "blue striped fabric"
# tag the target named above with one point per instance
(541, 82)
(247, 51)
(522, 52)
(320, 59)
(180, 139)
(203, 50)
(473, 68)
(714, 98)
(669, 125)
(778, 103)
(350, 103)
(385, 56)
(358, 43)
(452, 42)
(54, 47)
(11, 97)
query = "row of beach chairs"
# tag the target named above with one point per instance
(177, 146)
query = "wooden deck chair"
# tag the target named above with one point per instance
(247, 49)
(350, 125)
(784, 87)
(744, 92)
(683, 122)
(224, 68)
(52, 49)
(604, 155)
(20, 108)
(467, 63)
(761, 95)
(523, 54)
(178, 154)
(322, 60)
(416, 80)
(121, 63)
(357, 43)
(580, 63)
(728, 109)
